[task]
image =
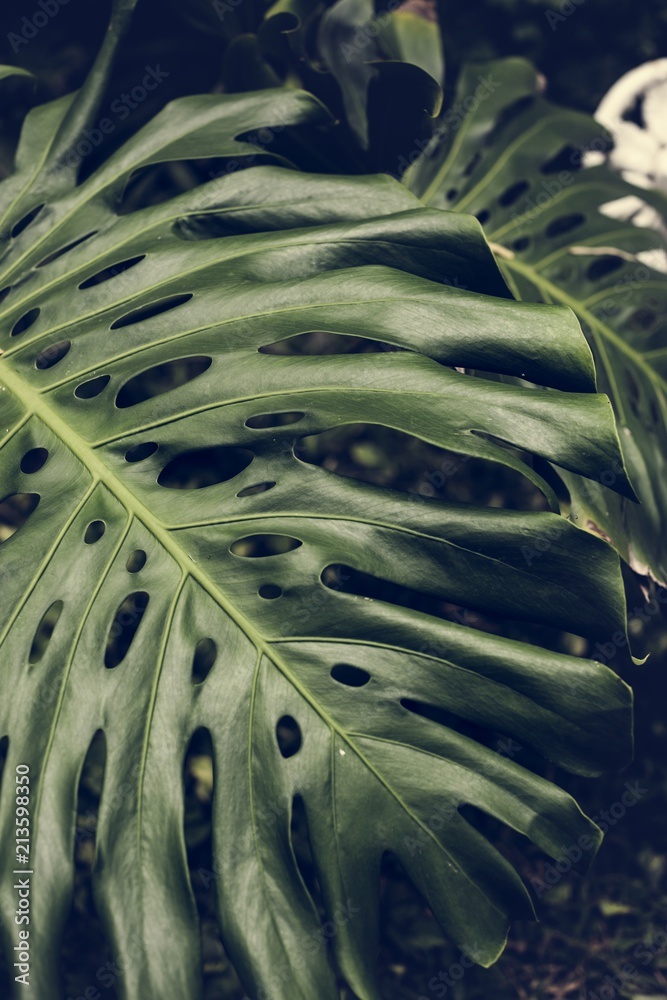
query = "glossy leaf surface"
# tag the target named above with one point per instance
(135, 358)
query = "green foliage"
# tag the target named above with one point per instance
(515, 161)
(379, 66)
(182, 568)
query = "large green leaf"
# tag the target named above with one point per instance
(514, 160)
(207, 280)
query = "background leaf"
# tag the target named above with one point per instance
(514, 160)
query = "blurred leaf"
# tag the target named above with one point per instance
(6, 71)
(411, 34)
(514, 160)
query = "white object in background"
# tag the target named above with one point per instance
(640, 151)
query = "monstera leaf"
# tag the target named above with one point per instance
(514, 160)
(148, 438)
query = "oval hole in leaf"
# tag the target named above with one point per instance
(288, 735)
(508, 114)
(4, 293)
(199, 789)
(50, 356)
(112, 271)
(25, 322)
(141, 451)
(348, 580)
(270, 592)
(512, 194)
(602, 266)
(94, 532)
(4, 750)
(161, 378)
(366, 451)
(482, 822)
(483, 216)
(565, 224)
(351, 676)
(93, 387)
(274, 419)
(198, 792)
(452, 194)
(318, 342)
(91, 787)
(567, 158)
(471, 164)
(304, 856)
(655, 415)
(150, 310)
(481, 734)
(521, 244)
(84, 923)
(642, 320)
(206, 653)
(15, 510)
(63, 250)
(26, 220)
(250, 491)
(34, 460)
(262, 546)
(44, 632)
(136, 561)
(195, 470)
(124, 628)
